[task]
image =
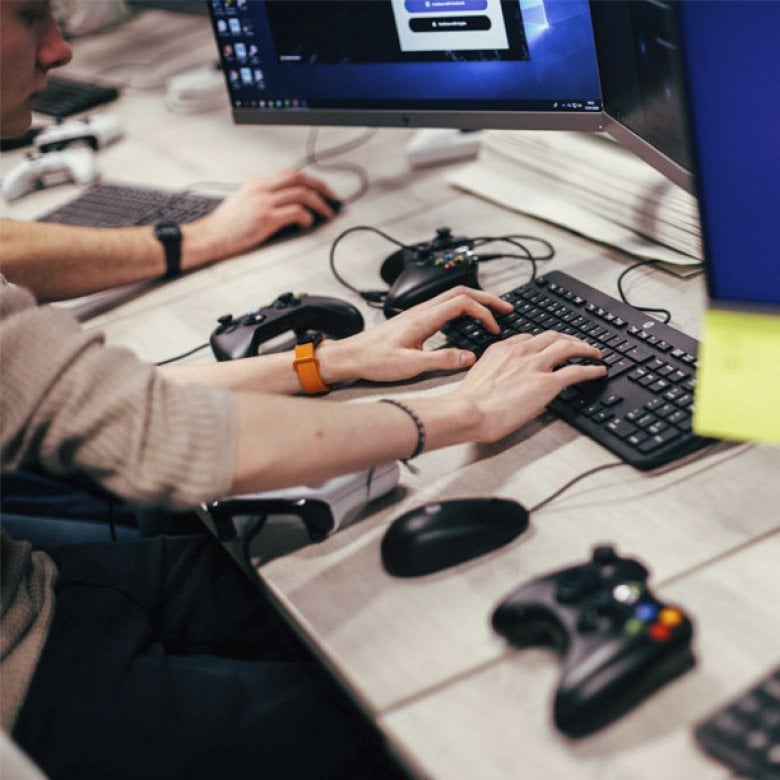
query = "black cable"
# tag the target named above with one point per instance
(375, 297)
(182, 356)
(516, 240)
(372, 297)
(667, 315)
(571, 482)
(605, 466)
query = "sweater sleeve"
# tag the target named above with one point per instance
(73, 404)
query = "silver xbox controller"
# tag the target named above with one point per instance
(324, 507)
(39, 171)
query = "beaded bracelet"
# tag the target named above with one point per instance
(417, 421)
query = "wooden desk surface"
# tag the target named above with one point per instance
(419, 655)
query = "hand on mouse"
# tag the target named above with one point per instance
(393, 350)
(257, 211)
(515, 379)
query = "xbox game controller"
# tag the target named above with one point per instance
(38, 171)
(95, 132)
(324, 507)
(421, 271)
(618, 641)
(241, 337)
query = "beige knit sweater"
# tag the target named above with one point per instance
(71, 404)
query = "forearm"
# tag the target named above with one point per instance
(64, 261)
(339, 362)
(289, 441)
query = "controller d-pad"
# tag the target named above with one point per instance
(574, 584)
(588, 620)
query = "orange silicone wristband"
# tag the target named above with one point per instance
(308, 368)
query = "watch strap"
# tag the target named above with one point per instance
(169, 235)
(308, 368)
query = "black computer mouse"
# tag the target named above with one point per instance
(434, 536)
(290, 231)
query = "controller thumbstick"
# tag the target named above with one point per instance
(604, 554)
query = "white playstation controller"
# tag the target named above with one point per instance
(95, 132)
(324, 508)
(39, 171)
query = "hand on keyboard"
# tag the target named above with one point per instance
(522, 374)
(641, 409)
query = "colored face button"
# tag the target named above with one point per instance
(659, 632)
(634, 627)
(646, 612)
(670, 616)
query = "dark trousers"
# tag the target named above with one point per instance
(164, 661)
(50, 511)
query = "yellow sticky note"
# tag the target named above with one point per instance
(738, 379)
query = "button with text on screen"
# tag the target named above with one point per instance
(449, 23)
(439, 6)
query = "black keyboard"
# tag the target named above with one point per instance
(642, 409)
(63, 97)
(745, 735)
(120, 205)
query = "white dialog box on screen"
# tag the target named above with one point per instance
(449, 25)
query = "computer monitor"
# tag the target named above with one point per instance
(733, 71)
(466, 64)
(609, 65)
(642, 83)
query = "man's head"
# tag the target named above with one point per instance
(31, 44)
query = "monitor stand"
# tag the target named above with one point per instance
(435, 146)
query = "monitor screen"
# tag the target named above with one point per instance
(735, 116)
(642, 84)
(410, 63)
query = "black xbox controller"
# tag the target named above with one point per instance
(619, 643)
(241, 337)
(421, 271)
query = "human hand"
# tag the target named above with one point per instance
(515, 379)
(393, 350)
(253, 214)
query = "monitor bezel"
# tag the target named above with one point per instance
(590, 121)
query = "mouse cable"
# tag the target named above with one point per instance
(665, 313)
(694, 458)
(182, 356)
(315, 158)
(574, 481)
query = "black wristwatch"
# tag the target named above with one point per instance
(169, 235)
